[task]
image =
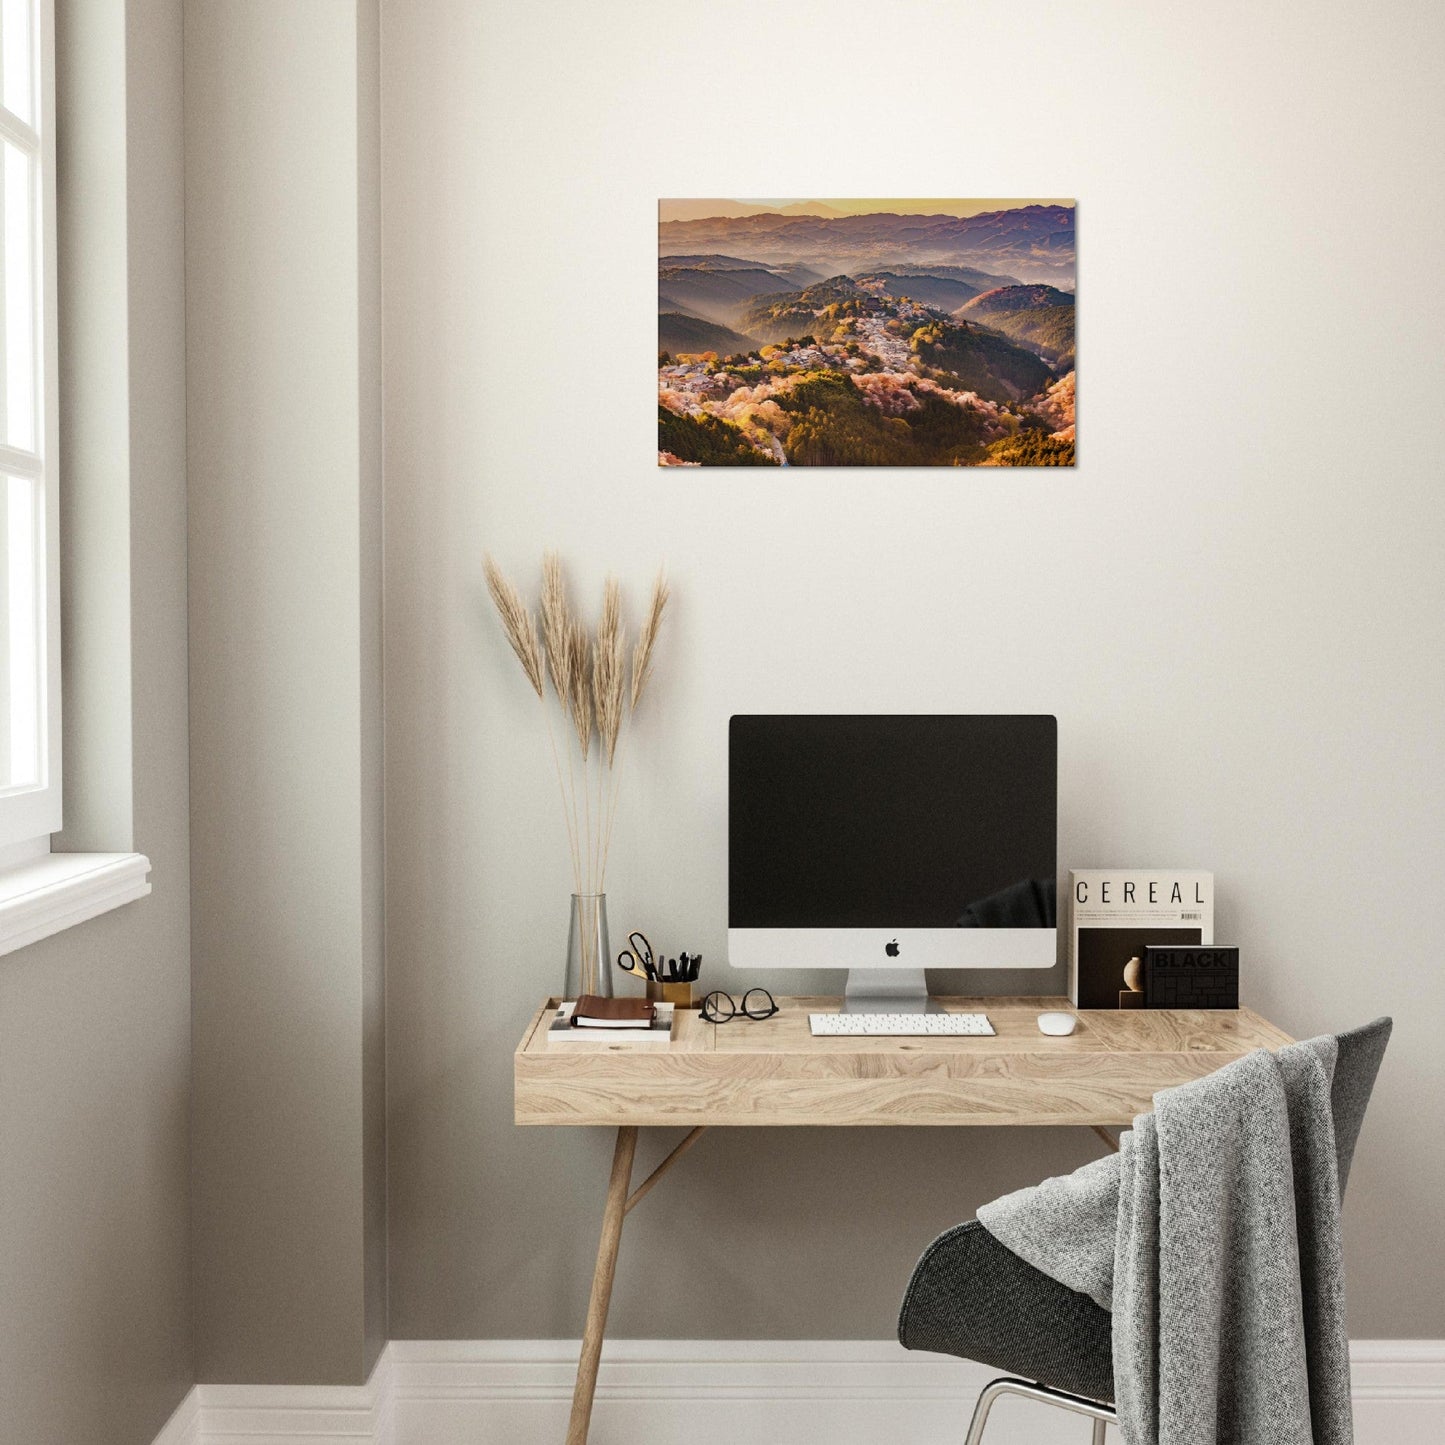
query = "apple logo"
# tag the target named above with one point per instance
(891, 949)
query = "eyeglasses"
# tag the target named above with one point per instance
(719, 1007)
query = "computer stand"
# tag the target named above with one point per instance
(887, 991)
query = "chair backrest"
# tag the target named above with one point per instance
(1360, 1052)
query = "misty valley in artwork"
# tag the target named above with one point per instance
(846, 333)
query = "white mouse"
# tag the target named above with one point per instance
(1057, 1024)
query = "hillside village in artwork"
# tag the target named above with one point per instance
(803, 335)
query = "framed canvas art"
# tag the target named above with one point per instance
(846, 333)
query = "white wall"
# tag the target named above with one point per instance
(1234, 604)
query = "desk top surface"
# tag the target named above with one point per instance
(773, 1072)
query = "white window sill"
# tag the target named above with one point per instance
(59, 890)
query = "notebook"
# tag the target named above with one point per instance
(561, 1031)
(593, 1012)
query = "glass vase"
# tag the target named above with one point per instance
(589, 957)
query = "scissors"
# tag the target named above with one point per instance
(638, 958)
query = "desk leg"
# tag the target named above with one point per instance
(612, 1216)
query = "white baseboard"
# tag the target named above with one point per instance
(713, 1392)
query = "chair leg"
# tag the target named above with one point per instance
(980, 1410)
(1099, 1413)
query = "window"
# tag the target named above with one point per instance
(41, 892)
(29, 576)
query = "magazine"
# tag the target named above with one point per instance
(1115, 912)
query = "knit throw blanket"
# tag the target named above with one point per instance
(1214, 1237)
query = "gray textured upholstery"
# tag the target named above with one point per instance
(971, 1296)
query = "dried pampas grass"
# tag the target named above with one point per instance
(579, 685)
(517, 622)
(609, 670)
(556, 633)
(647, 638)
(590, 684)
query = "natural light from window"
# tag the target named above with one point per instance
(29, 804)
(42, 891)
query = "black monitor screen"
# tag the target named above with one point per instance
(892, 822)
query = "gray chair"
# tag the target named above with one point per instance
(972, 1297)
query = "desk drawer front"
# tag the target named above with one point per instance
(895, 1088)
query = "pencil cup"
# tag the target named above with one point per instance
(678, 994)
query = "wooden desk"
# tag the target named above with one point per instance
(773, 1072)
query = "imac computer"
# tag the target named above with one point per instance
(890, 844)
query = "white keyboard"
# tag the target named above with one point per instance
(898, 1025)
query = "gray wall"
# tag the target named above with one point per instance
(283, 434)
(95, 1344)
(1234, 605)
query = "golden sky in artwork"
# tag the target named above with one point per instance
(690, 209)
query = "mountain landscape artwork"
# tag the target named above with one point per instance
(854, 333)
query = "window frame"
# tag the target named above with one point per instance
(43, 892)
(30, 814)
